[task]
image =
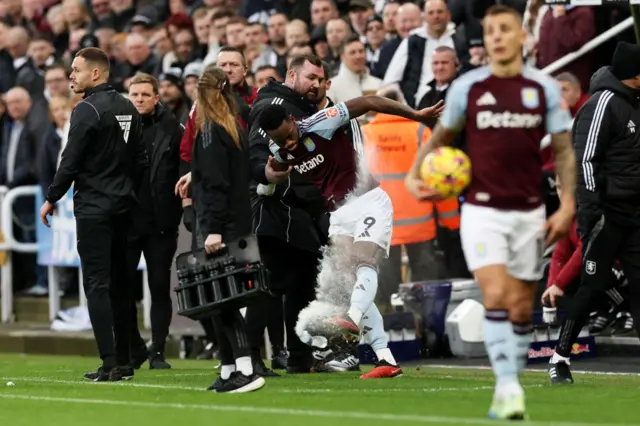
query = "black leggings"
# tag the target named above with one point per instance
(231, 336)
(269, 313)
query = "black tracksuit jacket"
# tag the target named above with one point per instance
(606, 139)
(295, 213)
(103, 155)
(220, 176)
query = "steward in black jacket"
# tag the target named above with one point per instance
(607, 143)
(291, 224)
(102, 156)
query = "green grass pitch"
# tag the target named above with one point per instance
(50, 391)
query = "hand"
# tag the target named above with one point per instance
(47, 209)
(430, 112)
(421, 190)
(551, 294)
(182, 187)
(276, 172)
(213, 243)
(559, 224)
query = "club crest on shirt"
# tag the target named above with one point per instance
(309, 144)
(530, 98)
(331, 112)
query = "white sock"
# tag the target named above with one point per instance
(557, 358)
(385, 354)
(522, 342)
(499, 341)
(244, 365)
(226, 370)
(364, 292)
(355, 314)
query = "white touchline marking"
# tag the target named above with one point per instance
(528, 370)
(17, 380)
(400, 418)
(182, 375)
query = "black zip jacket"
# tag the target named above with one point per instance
(103, 155)
(163, 168)
(220, 180)
(606, 139)
(295, 211)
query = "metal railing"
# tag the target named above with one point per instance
(589, 46)
(10, 245)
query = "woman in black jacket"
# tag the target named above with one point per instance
(220, 176)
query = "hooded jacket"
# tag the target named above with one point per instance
(606, 139)
(295, 213)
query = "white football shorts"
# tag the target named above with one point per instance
(368, 217)
(504, 237)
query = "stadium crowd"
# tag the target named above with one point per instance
(408, 51)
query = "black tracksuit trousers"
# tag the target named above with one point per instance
(292, 274)
(159, 249)
(605, 243)
(102, 243)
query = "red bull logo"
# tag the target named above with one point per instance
(544, 352)
(578, 348)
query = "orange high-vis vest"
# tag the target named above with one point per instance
(448, 213)
(390, 145)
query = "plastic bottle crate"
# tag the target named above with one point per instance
(228, 279)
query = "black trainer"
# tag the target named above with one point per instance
(139, 356)
(217, 384)
(239, 383)
(126, 372)
(279, 359)
(114, 374)
(157, 362)
(261, 370)
(560, 373)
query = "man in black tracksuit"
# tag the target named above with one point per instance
(292, 225)
(102, 157)
(607, 140)
(156, 218)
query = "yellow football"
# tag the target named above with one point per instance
(447, 170)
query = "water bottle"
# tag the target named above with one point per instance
(183, 280)
(215, 283)
(232, 282)
(197, 292)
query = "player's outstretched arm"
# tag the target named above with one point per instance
(364, 104)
